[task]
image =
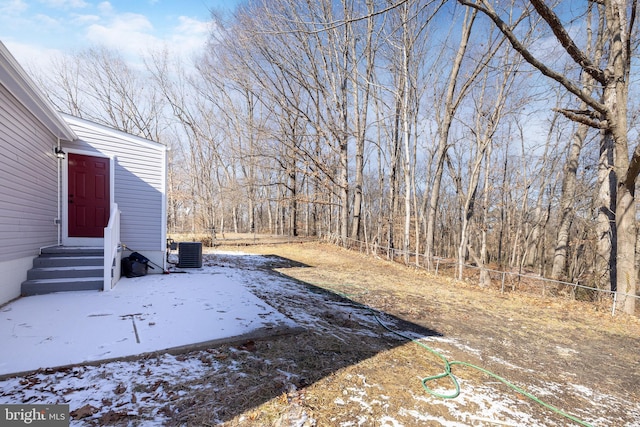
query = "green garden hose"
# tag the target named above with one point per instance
(449, 364)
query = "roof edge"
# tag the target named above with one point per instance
(23, 88)
(79, 121)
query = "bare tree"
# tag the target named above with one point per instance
(455, 90)
(490, 104)
(98, 84)
(609, 114)
(407, 58)
(593, 49)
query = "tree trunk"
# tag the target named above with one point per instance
(485, 278)
(615, 100)
(293, 203)
(362, 108)
(406, 133)
(393, 180)
(567, 196)
(444, 126)
(605, 220)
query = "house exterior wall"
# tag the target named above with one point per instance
(139, 184)
(28, 192)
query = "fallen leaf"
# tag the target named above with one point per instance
(248, 346)
(113, 416)
(83, 412)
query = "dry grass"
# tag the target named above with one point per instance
(345, 369)
(234, 240)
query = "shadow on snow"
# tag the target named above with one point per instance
(336, 332)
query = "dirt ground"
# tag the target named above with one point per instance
(347, 369)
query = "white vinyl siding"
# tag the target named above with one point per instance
(28, 182)
(139, 181)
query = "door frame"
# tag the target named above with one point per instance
(82, 241)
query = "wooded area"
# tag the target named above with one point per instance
(491, 132)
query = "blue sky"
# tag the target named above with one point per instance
(33, 30)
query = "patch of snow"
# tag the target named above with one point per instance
(361, 421)
(585, 391)
(143, 314)
(387, 421)
(565, 352)
(487, 403)
(549, 389)
(139, 387)
(510, 365)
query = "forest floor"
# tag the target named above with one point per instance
(353, 364)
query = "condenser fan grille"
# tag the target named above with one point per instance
(190, 255)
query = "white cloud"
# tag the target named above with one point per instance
(31, 57)
(13, 7)
(129, 33)
(189, 35)
(71, 25)
(105, 7)
(190, 25)
(133, 34)
(64, 4)
(46, 21)
(83, 20)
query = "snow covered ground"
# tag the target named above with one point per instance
(140, 315)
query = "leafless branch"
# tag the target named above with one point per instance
(586, 117)
(328, 26)
(489, 11)
(567, 42)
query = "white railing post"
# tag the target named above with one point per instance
(615, 301)
(111, 242)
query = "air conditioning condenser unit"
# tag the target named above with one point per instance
(190, 254)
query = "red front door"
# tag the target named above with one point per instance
(88, 195)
